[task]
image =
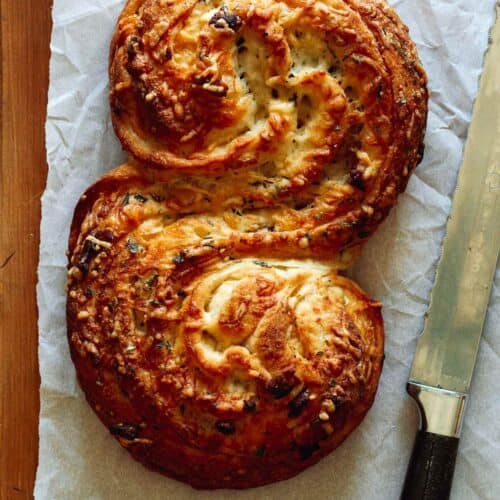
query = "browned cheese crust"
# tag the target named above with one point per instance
(208, 323)
(321, 98)
(211, 360)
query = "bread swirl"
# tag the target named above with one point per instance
(215, 85)
(207, 319)
(211, 360)
(324, 104)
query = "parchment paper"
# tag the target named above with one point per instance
(78, 457)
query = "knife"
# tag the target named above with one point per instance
(446, 353)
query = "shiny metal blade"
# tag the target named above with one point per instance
(447, 349)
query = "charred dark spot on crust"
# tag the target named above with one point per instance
(126, 431)
(307, 450)
(226, 428)
(356, 180)
(225, 19)
(250, 405)
(116, 106)
(137, 63)
(164, 344)
(91, 249)
(260, 451)
(157, 197)
(134, 46)
(380, 90)
(299, 403)
(88, 252)
(95, 359)
(112, 304)
(105, 235)
(151, 282)
(281, 386)
(180, 258)
(338, 402)
(261, 263)
(89, 293)
(137, 196)
(140, 197)
(318, 429)
(420, 152)
(181, 294)
(132, 246)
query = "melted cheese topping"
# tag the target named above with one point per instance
(209, 324)
(224, 84)
(217, 334)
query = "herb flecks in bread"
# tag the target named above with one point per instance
(200, 347)
(209, 322)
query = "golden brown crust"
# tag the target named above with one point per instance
(208, 323)
(318, 98)
(212, 361)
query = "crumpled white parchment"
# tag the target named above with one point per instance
(79, 459)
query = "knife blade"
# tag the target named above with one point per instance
(446, 352)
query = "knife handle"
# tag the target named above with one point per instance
(430, 472)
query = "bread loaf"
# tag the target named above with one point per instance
(209, 320)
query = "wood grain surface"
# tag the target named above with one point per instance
(24, 38)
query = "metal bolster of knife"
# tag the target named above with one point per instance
(441, 411)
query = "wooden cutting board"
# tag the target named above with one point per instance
(24, 50)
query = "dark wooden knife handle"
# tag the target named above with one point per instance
(430, 472)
